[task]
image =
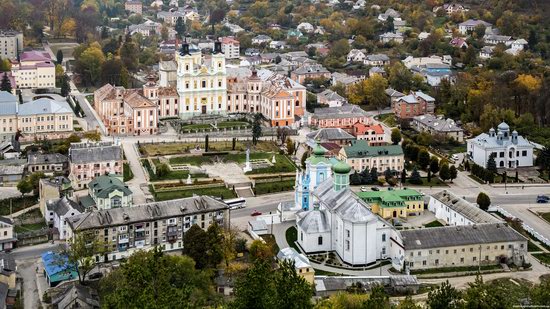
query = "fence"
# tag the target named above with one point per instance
(34, 237)
(526, 227)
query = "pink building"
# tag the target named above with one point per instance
(89, 160)
(343, 117)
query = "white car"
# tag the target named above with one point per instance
(364, 189)
(454, 157)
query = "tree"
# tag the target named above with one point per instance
(491, 164)
(453, 173)
(378, 298)
(256, 128)
(24, 186)
(434, 164)
(403, 176)
(129, 52)
(195, 245)
(483, 201)
(423, 159)
(82, 250)
(290, 147)
(229, 245)
(399, 77)
(159, 280)
(355, 179)
(162, 170)
(65, 86)
(259, 250)
(445, 172)
(94, 136)
(395, 136)
(408, 302)
(5, 85)
(540, 293)
(544, 159)
(303, 160)
(206, 143)
(291, 290)
(429, 176)
(370, 91)
(255, 289)
(59, 57)
(89, 62)
(480, 295)
(34, 180)
(415, 177)
(374, 175)
(444, 297)
(180, 27)
(214, 253)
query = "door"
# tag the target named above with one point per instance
(204, 109)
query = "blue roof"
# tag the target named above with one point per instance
(55, 263)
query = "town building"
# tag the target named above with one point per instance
(341, 222)
(415, 104)
(374, 133)
(494, 39)
(461, 246)
(510, 150)
(261, 39)
(300, 261)
(331, 98)
(343, 117)
(318, 169)
(451, 8)
(394, 204)
(8, 275)
(388, 13)
(35, 69)
(458, 42)
(231, 48)
(76, 295)
(170, 17)
(201, 82)
(11, 171)
(108, 191)
(390, 37)
(90, 160)
(486, 52)
(146, 29)
(437, 125)
(127, 111)
(455, 210)
(141, 227)
(11, 44)
(58, 211)
(471, 24)
(7, 235)
(344, 79)
(309, 72)
(53, 188)
(47, 163)
(377, 60)
(360, 155)
(329, 135)
(134, 6)
(57, 268)
(356, 55)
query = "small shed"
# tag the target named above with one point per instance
(57, 268)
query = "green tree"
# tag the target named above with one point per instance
(408, 303)
(434, 164)
(543, 159)
(305, 155)
(93, 136)
(444, 297)
(214, 252)
(5, 85)
(34, 180)
(24, 186)
(180, 27)
(158, 280)
(129, 52)
(423, 159)
(256, 128)
(291, 290)
(355, 179)
(260, 251)
(540, 293)
(395, 136)
(59, 56)
(445, 172)
(479, 295)
(89, 63)
(162, 170)
(483, 201)
(65, 86)
(453, 173)
(290, 147)
(82, 250)
(403, 176)
(415, 177)
(374, 175)
(399, 77)
(195, 245)
(378, 298)
(491, 164)
(255, 289)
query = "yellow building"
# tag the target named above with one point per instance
(201, 81)
(301, 263)
(394, 203)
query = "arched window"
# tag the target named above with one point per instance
(320, 240)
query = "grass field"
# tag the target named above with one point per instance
(434, 223)
(180, 148)
(127, 172)
(282, 165)
(29, 227)
(17, 204)
(196, 126)
(272, 187)
(388, 119)
(545, 216)
(222, 192)
(232, 124)
(543, 257)
(435, 181)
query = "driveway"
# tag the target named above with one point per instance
(132, 156)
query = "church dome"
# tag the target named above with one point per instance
(341, 167)
(313, 221)
(504, 127)
(318, 150)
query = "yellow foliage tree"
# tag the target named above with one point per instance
(528, 83)
(68, 27)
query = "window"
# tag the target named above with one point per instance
(462, 260)
(524, 153)
(383, 237)
(347, 233)
(474, 258)
(347, 245)
(320, 240)
(302, 236)
(424, 263)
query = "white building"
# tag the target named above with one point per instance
(509, 150)
(11, 44)
(231, 48)
(305, 28)
(391, 37)
(34, 70)
(356, 55)
(471, 25)
(261, 39)
(455, 210)
(437, 125)
(7, 238)
(60, 209)
(170, 17)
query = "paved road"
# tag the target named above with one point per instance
(90, 118)
(140, 178)
(7, 192)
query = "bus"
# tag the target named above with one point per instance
(236, 203)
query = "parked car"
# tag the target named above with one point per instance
(256, 213)
(375, 189)
(454, 157)
(364, 189)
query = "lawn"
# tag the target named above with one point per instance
(532, 247)
(273, 187)
(90, 99)
(291, 235)
(388, 119)
(543, 257)
(282, 165)
(435, 181)
(434, 223)
(545, 216)
(17, 204)
(454, 269)
(172, 175)
(127, 172)
(196, 126)
(222, 192)
(29, 227)
(181, 148)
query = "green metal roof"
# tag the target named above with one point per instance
(394, 198)
(103, 185)
(361, 149)
(87, 201)
(341, 167)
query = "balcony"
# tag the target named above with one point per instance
(139, 235)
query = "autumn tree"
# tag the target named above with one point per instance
(89, 63)
(129, 52)
(370, 91)
(400, 77)
(82, 250)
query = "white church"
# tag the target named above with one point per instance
(334, 219)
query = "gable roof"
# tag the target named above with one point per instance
(362, 149)
(102, 186)
(98, 152)
(463, 207)
(44, 106)
(330, 134)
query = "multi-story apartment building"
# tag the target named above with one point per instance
(11, 44)
(144, 226)
(231, 48)
(40, 118)
(126, 111)
(374, 133)
(201, 82)
(360, 155)
(276, 97)
(315, 71)
(89, 160)
(134, 6)
(35, 69)
(415, 104)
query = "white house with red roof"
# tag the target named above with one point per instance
(35, 69)
(231, 47)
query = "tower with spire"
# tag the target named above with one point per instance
(318, 169)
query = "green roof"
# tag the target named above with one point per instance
(394, 198)
(87, 201)
(361, 149)
(103, 185)
(341, 167)
(318, 156)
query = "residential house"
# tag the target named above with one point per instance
(415, 104)
(494, 39)
(471, 24)
(316, 71)
(11, 44)
(47, 163)
(143, 226)
(45, 118)
(53, 188)
(388, 13)
(305, 27)
(510, 150)
(231, 48)
(233, 28)
(89, 160)
(434, 73)
(516, 47)
(59, 210)
(146, 28)
(170, 17)
(57, 268)
(394, 204)
(411, 61)
(458, 42)
(486, 52)
(261, 39)
(329, 135)
(360, 155)
(451, 8)
(300, 262)
(372, 133)
(35, 69)
(108, 191)
(251, 52)
(389, 37)
(377, 70)
(344, 79)
(423, 35)
(134, 6)
(440, 126)
(343, 117)
(76, 295)
(377, 60)
(10, 148)
(278, 45)
(7, 235)
(331, 98)
(356, 55)
(11, 171)
(394, 95)
(294, 34)
(8, 270)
